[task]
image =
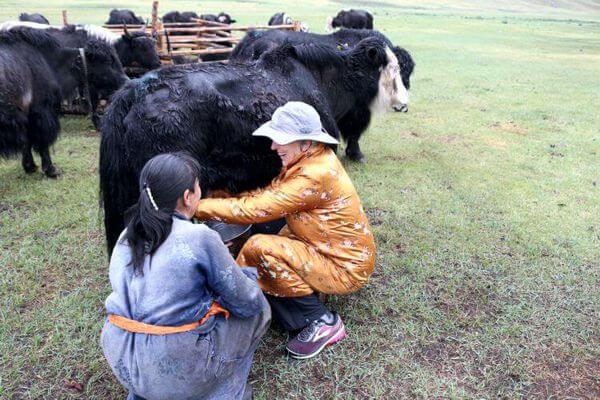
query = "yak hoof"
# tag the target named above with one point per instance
(30, 168)
(51, 172)
(96, 121)
(357, 157)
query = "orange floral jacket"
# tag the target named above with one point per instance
(320, 205)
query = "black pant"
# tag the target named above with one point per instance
(294, 313)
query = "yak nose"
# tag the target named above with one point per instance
(401, 107)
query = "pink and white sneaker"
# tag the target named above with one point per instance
(315, 337)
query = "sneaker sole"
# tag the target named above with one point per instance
(336, 338)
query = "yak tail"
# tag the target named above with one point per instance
(118, 178)
(12, 132)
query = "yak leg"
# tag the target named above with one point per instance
(353, 150)
(47, 166)
(42, 133)
(352, 126)
(94, 101)
(27, 159)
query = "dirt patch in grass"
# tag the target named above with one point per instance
(449, 139)
(509, 127)
(558, 374)
(468, 304)
(496, 143)
(377, 215)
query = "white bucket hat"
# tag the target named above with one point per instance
(295, 121)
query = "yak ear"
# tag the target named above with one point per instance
(404, 59)
(233, 21)
(374, 50)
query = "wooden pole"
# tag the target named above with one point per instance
(200, 52)
(229, 28)
(64, 15)
(154, 17)
(159, 39)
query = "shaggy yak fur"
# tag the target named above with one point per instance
(38, 18)
(352, 126)
(211, 111)
(38, 73)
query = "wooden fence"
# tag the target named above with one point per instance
(190, 40)
(194, 39)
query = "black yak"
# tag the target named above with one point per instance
(38, 72)
(176, 16)
(104, 85)
(35, 17)
(135, 49)
(352, 19)
(211, 111)
(255, 43)
(223, 18)
(117, 17)
(281, 18)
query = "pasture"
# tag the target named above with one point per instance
(484, 200)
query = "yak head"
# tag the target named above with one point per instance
(225, 18)
(138, 49)
(104, 69)
(375, 68)
(407, 65)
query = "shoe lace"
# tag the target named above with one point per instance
(307, 333)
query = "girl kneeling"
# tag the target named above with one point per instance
(184, 319)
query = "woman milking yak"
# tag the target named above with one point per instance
(184, 316)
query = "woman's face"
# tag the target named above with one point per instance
(289, 152)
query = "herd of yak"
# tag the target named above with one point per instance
(207, 109)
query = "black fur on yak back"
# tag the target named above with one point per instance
(211, 110)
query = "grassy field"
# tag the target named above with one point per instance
(484, 200)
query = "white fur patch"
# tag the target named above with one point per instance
(8, 25)
(94, 31)
(287, 20)
(391, 91)
(100, 33)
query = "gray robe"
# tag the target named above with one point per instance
(189, 271)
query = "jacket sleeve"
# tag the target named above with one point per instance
(235, 291)
(293, 194)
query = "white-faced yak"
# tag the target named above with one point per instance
(38, 72)
(352, 125)
(211, 111)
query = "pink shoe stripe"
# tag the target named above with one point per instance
(338, 336)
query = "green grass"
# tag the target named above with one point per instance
(484, 201)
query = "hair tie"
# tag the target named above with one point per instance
(151, 198)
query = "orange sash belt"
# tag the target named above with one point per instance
(133, 326)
